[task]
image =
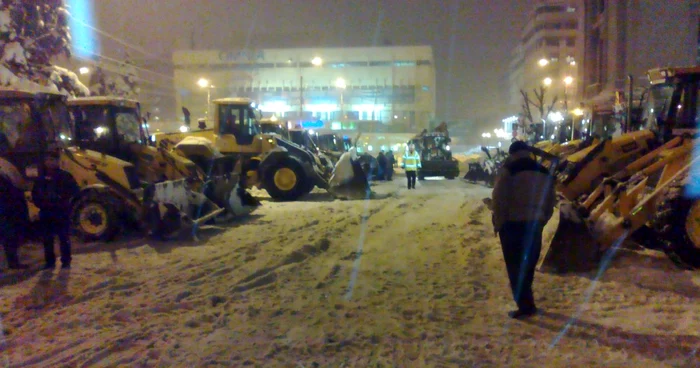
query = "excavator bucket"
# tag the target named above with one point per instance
(349, 181)
(573, 248)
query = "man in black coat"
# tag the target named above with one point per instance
(390, 161)
(381, 162)
(52, 194)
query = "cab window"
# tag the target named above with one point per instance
(18, 133)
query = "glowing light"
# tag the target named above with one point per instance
(556, 117)
(204, 83)
(100, 130)
(317, 61)
(85, 43)
(273, 118)
(183, 129)
(311, 131)
(340, 83)
(547, 81)
(396, 116)
(543, 62)
(578, 112)
(568, 80)
(447, 147)
(84, 70)
(511, 119)
(369, 148)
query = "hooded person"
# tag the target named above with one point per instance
(522, 202)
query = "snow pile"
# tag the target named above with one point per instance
(121, 81)
(413, 281)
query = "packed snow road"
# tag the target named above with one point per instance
(415, 279)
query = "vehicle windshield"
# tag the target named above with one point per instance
(106, 127)
(20, 133)
(274, 129)
(658, 104)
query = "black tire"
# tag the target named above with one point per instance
(449, 177)
(297, 189)
(670, 223)
(95, 218)
(421, 176)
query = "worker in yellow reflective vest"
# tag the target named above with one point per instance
(411, 163)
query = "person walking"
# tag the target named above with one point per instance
(523, 201)
(52, 194)
(14, 213)
(381, 162)
(391, 160)
(411, 163)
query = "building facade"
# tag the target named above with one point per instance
(378, 88)
(549, 54)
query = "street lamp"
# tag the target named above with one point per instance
(316, 61)
(84, 70)
(568, 80)
(204, 83)
(547, 81)
(543, 62)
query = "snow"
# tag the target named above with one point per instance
(5, 21)
(14, 52)
(58, 74)
(423, 272)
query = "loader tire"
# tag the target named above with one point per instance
(677, 222)
(94, 218)
(286, 180)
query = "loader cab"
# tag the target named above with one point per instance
(108, 125)
(672, 108)
(237, 127)
(31, 123)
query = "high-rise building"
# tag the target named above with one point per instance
(549, 54)
(628, 37)
(336, 88)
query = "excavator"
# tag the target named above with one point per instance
(284, 169)
(113, 126)
(34, 123)
(641, 185)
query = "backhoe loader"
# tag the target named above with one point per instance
(284, 169)
(113, 126)
(31, 124)
(643, 184)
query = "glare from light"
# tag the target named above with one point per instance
(340, 83)
(84, 70)
(273, 118)
(447, 147)
(578, 112)
(311, 131)
(543, 62)
(547, 81)
(556, 117)
(153, 138)
(369, 148)
(100, 130)
(202, 82)
(396, 116)
(317, 61)
(572, 63)
(552, 136)
(568, 80)
(183, 129)
(499, 144)
(63, 137)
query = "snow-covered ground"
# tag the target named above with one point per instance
(413, 280)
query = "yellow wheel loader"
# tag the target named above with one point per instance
(284, 169)
(643, 184)
(32, 123)
(113, 126)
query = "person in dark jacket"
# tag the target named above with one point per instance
(390, 161)
(522, 203)
(52, 194)
(381, 162)
(14, 214)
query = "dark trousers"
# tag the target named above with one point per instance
(51, 227)
(389, 172)
(10, 238)
(411, 177)
(521, 243)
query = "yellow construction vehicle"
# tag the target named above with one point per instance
(113, 126)
(642, 184)
(284, 169)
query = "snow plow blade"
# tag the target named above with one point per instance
(573, 248)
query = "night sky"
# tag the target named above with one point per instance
(472, 39)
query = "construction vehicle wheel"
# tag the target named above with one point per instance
(286, 180)
(450, 177)
(677, 222)
(421, 176)
(95, 219)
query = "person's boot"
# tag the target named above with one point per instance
(522, 313)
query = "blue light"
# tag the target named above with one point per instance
(312, 124)
(83, 42)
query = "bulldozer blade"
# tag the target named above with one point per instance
(573, 248)
(356, 188)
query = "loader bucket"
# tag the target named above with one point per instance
(573, 248)
(357, 187)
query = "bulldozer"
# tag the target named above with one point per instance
(436, 154)
(113, 126)
(641, 185)
(34, 123)
(284, 169)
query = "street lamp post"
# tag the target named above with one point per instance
(204, 83)
(340, 83)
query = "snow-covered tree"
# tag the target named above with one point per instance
(115, 81)
(32, 34)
